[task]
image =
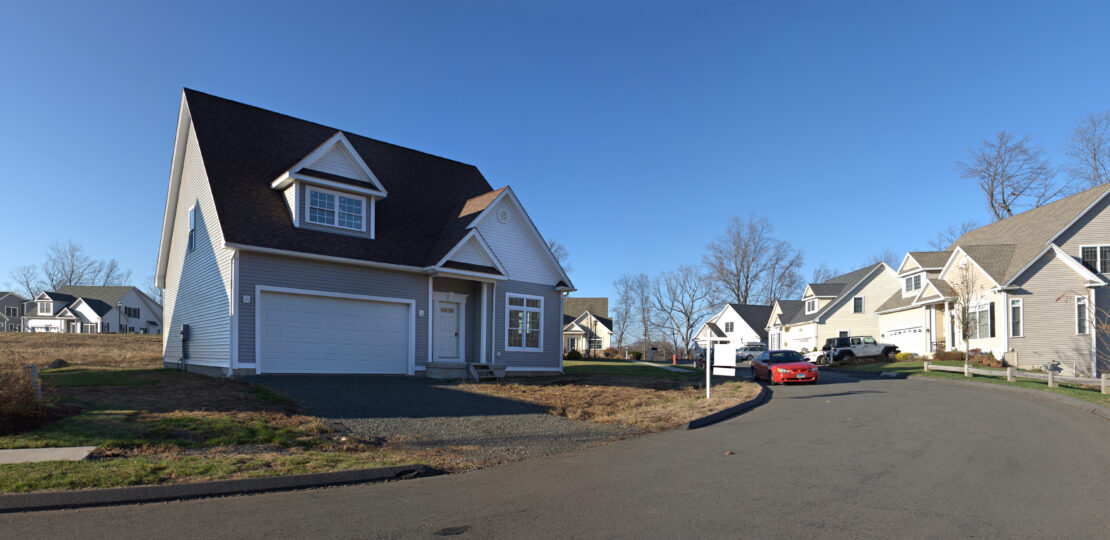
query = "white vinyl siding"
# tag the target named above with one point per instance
(337, 161)
(198, 286)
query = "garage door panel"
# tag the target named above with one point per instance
(316, 334)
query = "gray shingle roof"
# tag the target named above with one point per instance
(931, 259)
(837, 287)
(1026, 233)
(576, 306)
(756, 316)
(825, 289)
(896, 301)
(789, 308)
(109, 295)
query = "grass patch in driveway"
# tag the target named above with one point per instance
(917, 369)
(647, 403)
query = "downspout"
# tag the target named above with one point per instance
(1094, 332)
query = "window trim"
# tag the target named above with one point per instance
(808, 309)
(862, 305)
(730, 326)
(1019, 303)
(49, 309)
(1082, 300)
(982, 307)
(1099, 261)
(9, 309)
(308, 189)
(192, 242)
(524, 330)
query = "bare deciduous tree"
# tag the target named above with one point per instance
(561, 254)
(968, 290)
(823, 273)
(641, 296)
(68, 264)
(1013, 174)
(782, 273)
(622, 309)
(948, 236)
(682, 299)
(883, 256)
(736, 261)
(1088, 150)
(109, 273)
(27, 278)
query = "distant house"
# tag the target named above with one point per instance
(11, 311)
(92, 310)
(841, 306)
(738, 324)
(587, 333)
(587, 327)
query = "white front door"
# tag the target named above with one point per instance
(447, 330)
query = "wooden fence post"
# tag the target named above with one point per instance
(926, 366)
(1052, 379)
(1010, 374)
(1105, 378)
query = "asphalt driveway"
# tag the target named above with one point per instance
(846, 458)
(428, 413)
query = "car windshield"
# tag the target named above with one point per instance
(782, 357)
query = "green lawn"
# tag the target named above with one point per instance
(917, 369)
(624, 367)
(160, 426)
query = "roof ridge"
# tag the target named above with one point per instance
(345, 132)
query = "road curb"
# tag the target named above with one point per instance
(735, 410)
(53, 500)
(1087, 406)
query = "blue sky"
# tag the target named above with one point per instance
(631, 131)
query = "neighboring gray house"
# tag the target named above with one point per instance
(291, 247)
(92, 310)
(11, 311)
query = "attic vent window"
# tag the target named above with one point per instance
(336, 210)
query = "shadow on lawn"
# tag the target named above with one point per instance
(386, 396)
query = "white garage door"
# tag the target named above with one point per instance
(910, 339)
(317, 334)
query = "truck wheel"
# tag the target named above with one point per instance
(845, 356)
(890, 355)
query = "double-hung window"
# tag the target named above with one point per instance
(45, 308)
(1017, 319)
(11, 312)
(913, 283)
(336, 210)
(811, 306)
(857, 304)
(524, 331)
(979, 322)
(1081, 315)
(1097, 258)
(729, 326)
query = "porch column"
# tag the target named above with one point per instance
(482, 359)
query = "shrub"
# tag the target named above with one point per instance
(609, 353)
(636, 355)
(978, 357)
(18, 406)
(572, 355)
(905, 356)
(948, 355)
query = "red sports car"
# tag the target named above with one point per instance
(783, 367)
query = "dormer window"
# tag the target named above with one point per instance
(45, 308)
(811, 306)
(336, 210)
(913, 283)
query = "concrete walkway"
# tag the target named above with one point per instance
(35, 455)
(661, 366)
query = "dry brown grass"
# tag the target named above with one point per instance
(119, 350)
(646, 403)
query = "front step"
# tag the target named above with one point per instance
(486, 372)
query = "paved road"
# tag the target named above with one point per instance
(847, 458)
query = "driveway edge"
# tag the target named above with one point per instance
(1087, 406)
(735, 410)
(53, 500)
(865, 374)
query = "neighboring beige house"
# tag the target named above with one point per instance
(841, 306)
(587, 327)
(913, 317)
(1038, 275)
